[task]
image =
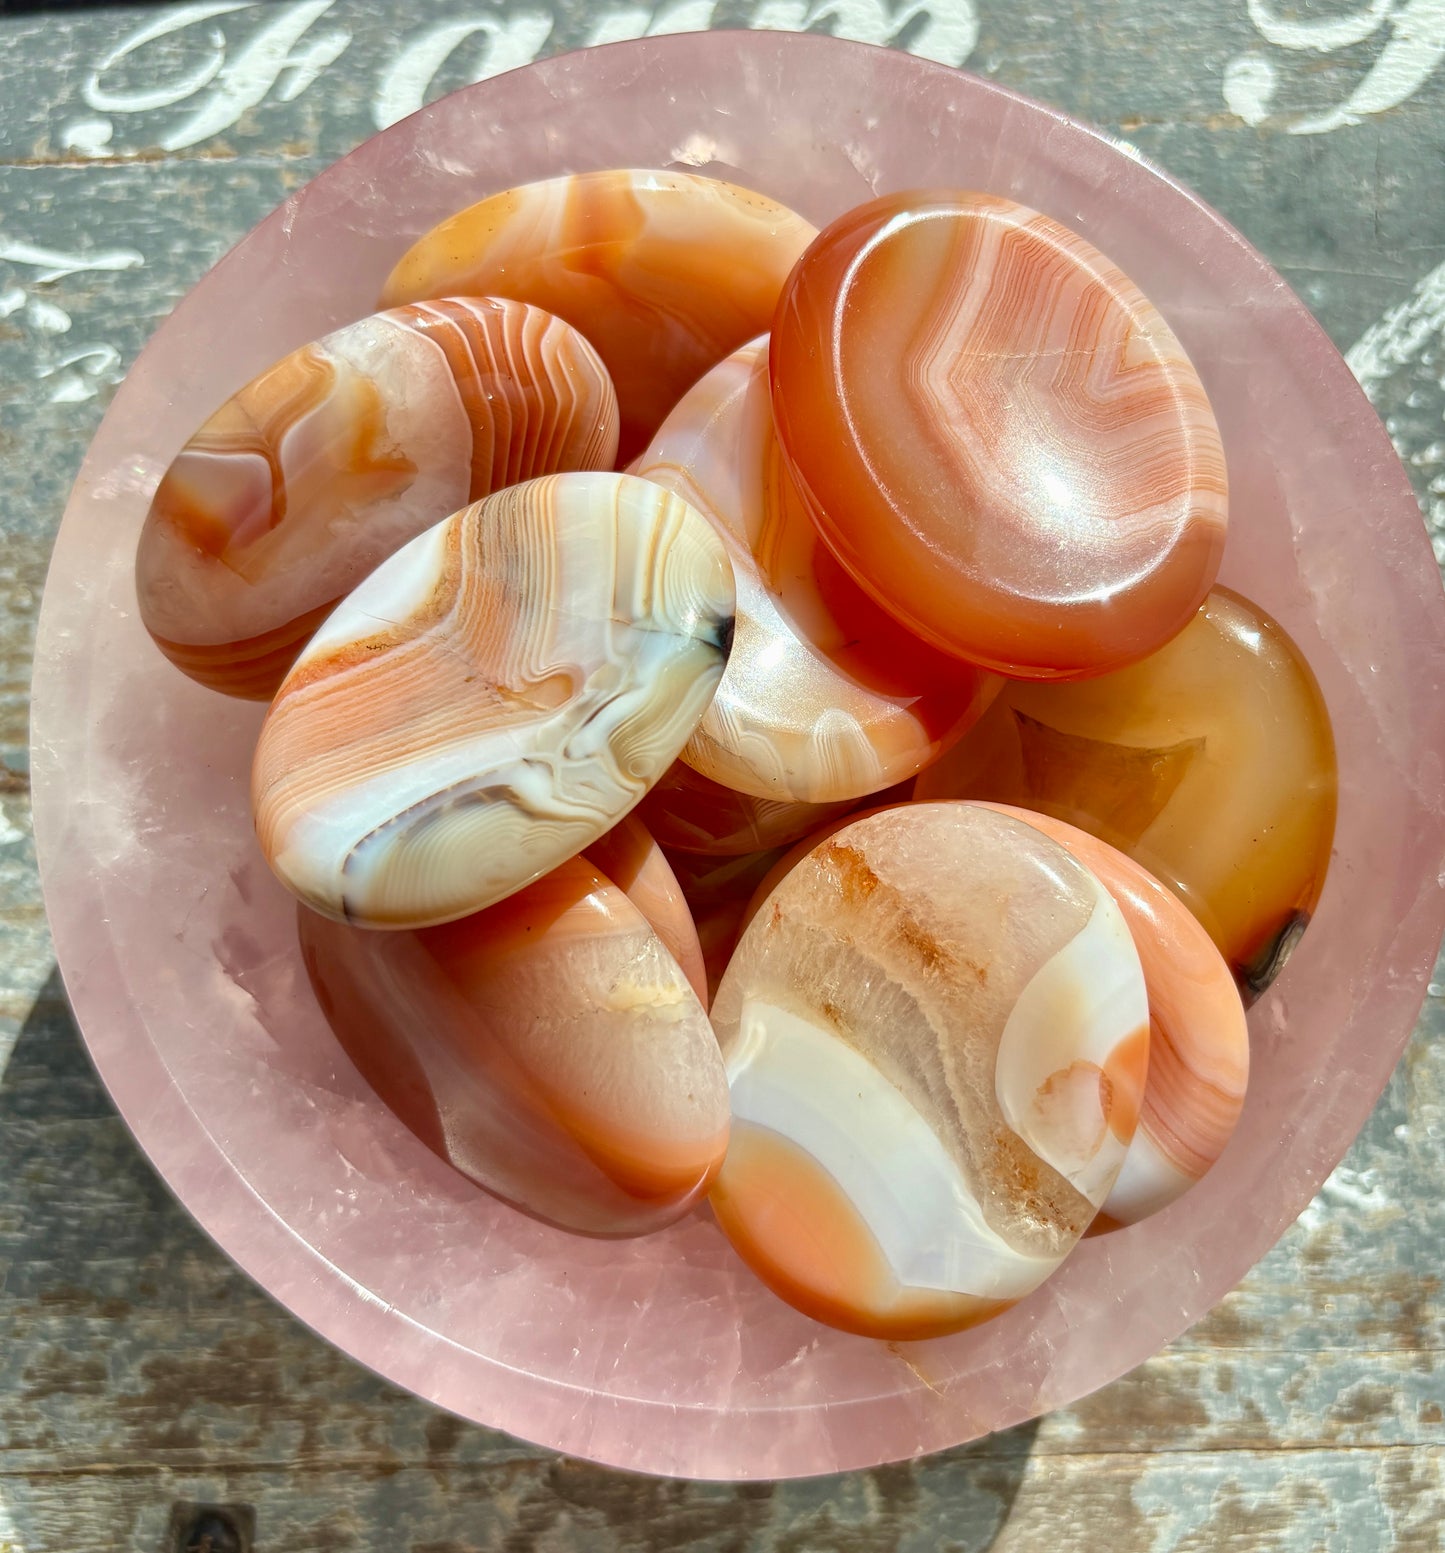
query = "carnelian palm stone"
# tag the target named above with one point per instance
(997, 434)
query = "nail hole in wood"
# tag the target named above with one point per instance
(211, 1528)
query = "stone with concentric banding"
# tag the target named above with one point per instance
(1198, 1038)
(665, 272)
(338, 455)
(998, 434)
(492, 699)
(825, 697)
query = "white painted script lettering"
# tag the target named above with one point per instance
(948, 36)
(236, 54)
(283, 55)
(405, 83)
(52, 265)
(1409, 56)
(85, 369)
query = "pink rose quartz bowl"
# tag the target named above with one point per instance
(179, 950)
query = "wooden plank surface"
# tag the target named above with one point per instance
(137, 1368)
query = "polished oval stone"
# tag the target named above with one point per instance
(688, 812)
(1198, 1037)
(665, 272)
(630, 857)
(492, 699)
(1211, 764)
(825, 697)
(997, 434)
(338, 455)
(935, 1034)
(549, 1047)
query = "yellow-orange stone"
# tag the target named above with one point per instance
(1211, 763)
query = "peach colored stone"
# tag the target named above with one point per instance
(635, 863)
(936, 1033)
(1198, 1038)
(549, 1047)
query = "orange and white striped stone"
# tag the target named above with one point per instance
(1198, 1037)
(342, 452)
(935, 1032)
(665, 272)
(492, 699)
(825, 697)
(998, 434)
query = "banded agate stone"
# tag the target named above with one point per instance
(665, 272)
(1198, 1037)
(935, 1033)
(492, 699)
(997, 434)
(549, 1047)
(1211, 764)
(342, 452)
(825, 697)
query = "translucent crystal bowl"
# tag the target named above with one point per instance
(179, 950)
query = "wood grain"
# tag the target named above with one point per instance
(138, 1368)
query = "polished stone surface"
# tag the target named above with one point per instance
(550, 1048)
(825, 697)
(997, 433)
(1212, 763)
(338, 455)
(936, 1033)
(1198, 1038)
(632, 859)
(492, 699)
(665, 271)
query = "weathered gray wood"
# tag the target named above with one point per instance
(137, 1367)
(961, 1502)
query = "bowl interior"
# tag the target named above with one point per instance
(179, 949)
